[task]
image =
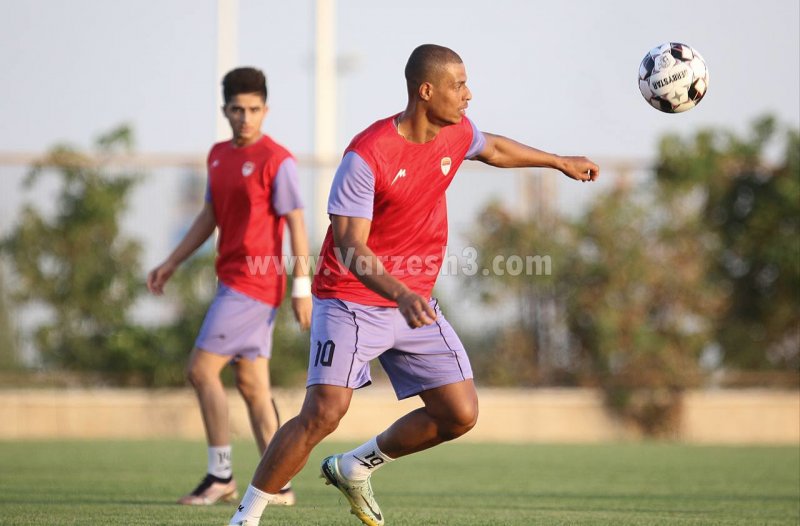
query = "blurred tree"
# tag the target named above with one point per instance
(72, 260)
(9, 350)
(752, 208)
(190, 291)
(650, 282)
(626, 294)
(639, 305)
(520, 256)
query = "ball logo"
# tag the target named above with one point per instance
(446, 162)
(665, 61)
(247, 168)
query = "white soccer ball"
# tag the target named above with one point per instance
(673, 77)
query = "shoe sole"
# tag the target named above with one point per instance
(233, 496)
(331, 481)
(284, 499)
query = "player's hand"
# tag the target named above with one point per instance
(302, 311)
(415, 310)
(580, 169)
(159, 276)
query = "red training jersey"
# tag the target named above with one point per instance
(240, 186)
(409, 220)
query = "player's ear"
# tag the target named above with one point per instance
(425, 91)
(266, 109)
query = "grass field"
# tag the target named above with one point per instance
(136, 483)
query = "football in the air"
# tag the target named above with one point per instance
(673, 77)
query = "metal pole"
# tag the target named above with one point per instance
(227, 52)
(325, 113)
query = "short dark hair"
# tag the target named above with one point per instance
(426, 63)
(244, 80)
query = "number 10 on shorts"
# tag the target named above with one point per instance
(324, 355)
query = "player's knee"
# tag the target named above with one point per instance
(252, 391)
(248, 392)
(195, 376)
(320, 420)
(321, 414)
(461, 419)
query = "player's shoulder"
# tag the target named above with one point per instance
(268, 144)
(219, 147)
(467, 123)
(464, 126)
(267, 153)
(375, 132)
(460, 134)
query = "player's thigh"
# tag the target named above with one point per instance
(203, 364)
(344, 338)
(252, 376)
(325, 405)
(426, 357)
(456, 403)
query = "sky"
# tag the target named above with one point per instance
(558, 75)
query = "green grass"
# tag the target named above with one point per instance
(136, 483)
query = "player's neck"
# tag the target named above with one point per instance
(415, 127)
(242, 142)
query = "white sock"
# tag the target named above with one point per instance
(219, 461)
(252, 506)
(361, 462)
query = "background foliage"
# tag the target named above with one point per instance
(75, 263)
(655, 287)
(652, 289)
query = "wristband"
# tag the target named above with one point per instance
(301, 287)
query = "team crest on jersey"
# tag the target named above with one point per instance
(247, 168)
(446, 162)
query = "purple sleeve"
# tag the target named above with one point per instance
(353, 189)
(208, 191)
(478, 142)
(285, 189)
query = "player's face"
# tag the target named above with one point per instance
(450, 96)
(245, 113)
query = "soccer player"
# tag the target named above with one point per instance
(252, 195)
(372, 292)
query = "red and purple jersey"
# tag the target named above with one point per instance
(251, 188)
(400, 186)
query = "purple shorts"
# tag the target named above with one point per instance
(345, 336)
(237, 325)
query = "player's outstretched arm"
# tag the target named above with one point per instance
(350, 237)
(301, 291)
(203, 226)
(506, 153)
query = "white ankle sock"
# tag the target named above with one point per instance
(252, 506)
(361, 462)
(219, 461)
